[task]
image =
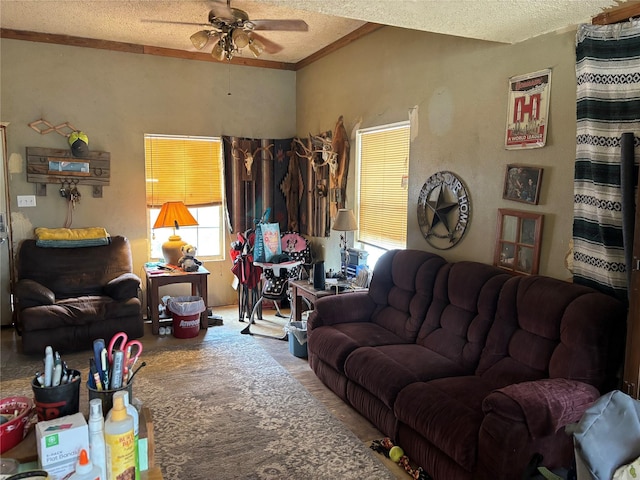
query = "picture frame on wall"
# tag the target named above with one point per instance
(528, 110)
(518, 241)
(522, 184)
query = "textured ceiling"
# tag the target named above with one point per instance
(508, 21)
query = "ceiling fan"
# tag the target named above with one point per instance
(231, 30)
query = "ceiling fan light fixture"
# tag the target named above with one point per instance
(218, 52)
(240, 38)
(256, 47)
(200, 39)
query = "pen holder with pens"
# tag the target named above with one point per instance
(58, 401)
(106, 396)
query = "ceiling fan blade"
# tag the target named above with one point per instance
(222, 10)
(283, 25)
(269, 46)
(204, 25)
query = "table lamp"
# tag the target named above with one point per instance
(175, 215)
(345, 222)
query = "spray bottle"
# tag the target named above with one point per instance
(120, 443)
(96, 437)
(85, 470)
(131, 410)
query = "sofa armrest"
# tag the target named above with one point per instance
(123, 287)
(30, 293)
(544, 406)
(342, 308)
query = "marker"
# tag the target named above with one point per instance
(48, 366)
(57, 371)
(117, 369)
(104, 367)
(94, 373)
(98, 345)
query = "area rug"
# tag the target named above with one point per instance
(223, 408)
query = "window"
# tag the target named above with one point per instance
(190, 170)
(383, 168)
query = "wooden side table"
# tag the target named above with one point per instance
(303, 289)
(157, 278)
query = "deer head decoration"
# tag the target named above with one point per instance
(248, 156)
(329, 157)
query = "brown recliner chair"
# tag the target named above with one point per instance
(68, 297)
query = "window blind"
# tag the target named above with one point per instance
(186, 169)
(384, 166)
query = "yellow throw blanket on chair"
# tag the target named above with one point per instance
(71, 237)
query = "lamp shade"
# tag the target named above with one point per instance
(345, 221)
(175, 215)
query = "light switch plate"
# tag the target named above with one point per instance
(26, 200)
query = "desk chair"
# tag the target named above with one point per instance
(276, 276)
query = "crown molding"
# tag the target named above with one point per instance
(182, 54)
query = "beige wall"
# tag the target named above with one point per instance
(458, 85)
(116, 98)
(460, 89)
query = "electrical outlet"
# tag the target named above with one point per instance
(26, 200)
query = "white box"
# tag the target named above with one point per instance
(59, 443)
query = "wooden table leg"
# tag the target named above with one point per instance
(204, 320)
(297, 303)
(153, 299)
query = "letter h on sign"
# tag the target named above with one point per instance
(522, 107)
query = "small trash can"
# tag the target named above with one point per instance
(185, 312)
(297, 338)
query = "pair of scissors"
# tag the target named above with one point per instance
(132, 351)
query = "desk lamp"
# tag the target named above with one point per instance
(175, 215)
(345, 222)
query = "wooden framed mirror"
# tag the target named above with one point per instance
(518, 239)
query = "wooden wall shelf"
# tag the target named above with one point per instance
(47, 165)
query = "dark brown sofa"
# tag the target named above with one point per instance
(469, 369)
(68, 297)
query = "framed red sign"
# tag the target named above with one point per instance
(528, 110)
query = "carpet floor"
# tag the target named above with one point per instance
(224, 408)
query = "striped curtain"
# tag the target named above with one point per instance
(608, 105)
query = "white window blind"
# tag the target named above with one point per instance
(189, 170)
(384, 166)
(185, 169)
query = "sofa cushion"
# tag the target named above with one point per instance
(520, 347)
(447, 412)
(31, 293)
(402, 288)
(385, 370)
(333, 344)
(79, 311)
(464, 304)
(123, 287)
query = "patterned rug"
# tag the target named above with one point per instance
(224, 408)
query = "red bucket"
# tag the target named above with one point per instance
(13, 431)
(187, 326)
(186, 315)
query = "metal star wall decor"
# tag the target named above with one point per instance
(444, 210)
